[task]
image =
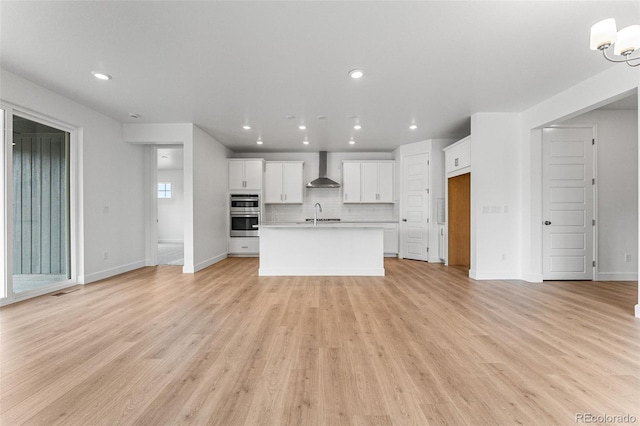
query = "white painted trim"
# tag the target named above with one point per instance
(638, 310)
(151, 205)
(171, 241)
(532, 278)
(205, 264)
(107, 273)
(498, 275)
(435, 259)
(616, 276)
(76, 216)
(373, 272)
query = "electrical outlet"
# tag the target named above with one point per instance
(106, 255)
(627, 257)
(503, 257)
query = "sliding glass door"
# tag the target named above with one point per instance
(40, 205)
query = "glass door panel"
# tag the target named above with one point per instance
(41, 225)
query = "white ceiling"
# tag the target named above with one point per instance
(221, 64)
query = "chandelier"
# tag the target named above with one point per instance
(625, 42)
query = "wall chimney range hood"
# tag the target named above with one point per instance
(323, 181)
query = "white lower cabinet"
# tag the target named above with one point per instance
(390, 239)
(244, 246)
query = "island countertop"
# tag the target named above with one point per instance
(321, 225)
(329, 248)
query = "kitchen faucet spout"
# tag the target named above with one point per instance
(315, 213)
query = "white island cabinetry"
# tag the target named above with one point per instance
(307, 250)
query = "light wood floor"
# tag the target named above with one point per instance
(423, 345)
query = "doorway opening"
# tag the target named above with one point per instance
(590, 207)
(170, 206)
(40, 191)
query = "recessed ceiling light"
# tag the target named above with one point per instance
(302, 127)
(322, 117)
(413, 127)
(305, 142)
(290, 117)
(246, 127)
(352, 142)
(356, 74)
(164, 156)
(133, 115)
(357, 127)
(259, 142)
(352, 117)
(101, 75)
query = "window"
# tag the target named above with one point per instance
(164, 190)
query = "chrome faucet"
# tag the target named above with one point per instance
(315, 213)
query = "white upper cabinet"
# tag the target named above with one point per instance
(368, 182)
(458, 157)
(245, 175)
(351, 182)
(283, 182)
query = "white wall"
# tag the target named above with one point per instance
(495, 196)
(210, 194)
(329, 198)
(617, 191)
(171, 210)
(110, 205)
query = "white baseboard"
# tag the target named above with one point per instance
(302, 272)
(496, 275)
(186, 269)
(100, 275)
(532, 278)
(617, 276)
(435, 259)
(36, 292)
(171, 241)
(638, 310)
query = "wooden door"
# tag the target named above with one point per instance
(459, 220)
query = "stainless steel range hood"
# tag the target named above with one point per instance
(323, 181)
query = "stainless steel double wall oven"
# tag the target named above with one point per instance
(245, 213)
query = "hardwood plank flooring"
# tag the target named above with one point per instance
(423, 345)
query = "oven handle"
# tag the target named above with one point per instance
(244, 215)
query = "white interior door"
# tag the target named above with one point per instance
(414, 226)
(567, 203)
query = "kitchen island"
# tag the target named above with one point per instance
(336, 249)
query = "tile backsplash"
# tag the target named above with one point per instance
(332, 207)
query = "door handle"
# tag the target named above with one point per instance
(546, 222)
(404, 220)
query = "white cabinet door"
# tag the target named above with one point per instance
(253, 175)
(273, 183)
(283, 183)
(292, 183)
(351, 182)
(369, 183)
(236, 175)
(385, 183)
(390, 238)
